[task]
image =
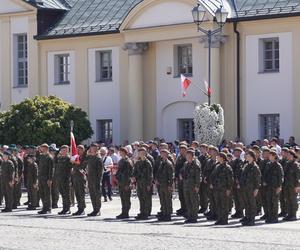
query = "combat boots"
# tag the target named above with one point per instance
(79, 212)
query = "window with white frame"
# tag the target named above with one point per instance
(183, 60)
(62, 69)
(105, 131)
(104, 66)
(21, 60)
(269, 54)
(269, 126)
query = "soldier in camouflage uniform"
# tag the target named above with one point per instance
(292, 185)
(203, 158)
(63, 169)
(143, 176)
(19, 166)
(32, 182)
(237, 168)
(45, 176)
(191, 176)
(95, 172)
(79, 179)
(7, 181)
(221, 184)
(273, 182)
(54, 187)
(164, 182)
(250, 183)
(123, 175)
(260, 200)
(181, 159)
(283, 161)
(208, 169)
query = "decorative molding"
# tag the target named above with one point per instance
(135, 48)
(216, 40)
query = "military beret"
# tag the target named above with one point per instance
(123, 149)
(7, 153)
(94, 144)
(45, 145)
(64, 146)
(273, 152)
(203, 145)
(265, 149)
(142, 149)
(223, 155)
(285, 149)
(190, 151)
(238, 149)
(293, 153)
(165, 151)
(255, 147)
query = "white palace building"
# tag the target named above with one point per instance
(121, 60)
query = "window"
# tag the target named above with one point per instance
(186, 130)
(21, 64)
(62, 69)
(103, 66)
(269, 126)
(105, 131)
(183, 60)
(269, 55)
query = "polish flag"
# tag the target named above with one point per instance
(185, 83)
(208, 89)
(74, 153)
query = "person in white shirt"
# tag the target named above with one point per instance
(108, 164)
(274, 144)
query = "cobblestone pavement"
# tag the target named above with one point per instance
(26, 230)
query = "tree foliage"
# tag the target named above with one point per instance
(43, 119)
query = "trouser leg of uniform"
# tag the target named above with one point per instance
(252, 205)
(283, 200)
(64, 190)
(8, 192)
(222, 205)
(187, 203)
(203, 196)
(212, 203)
(238, 200)
(194, 204)
(72, 194)
(148, 201)
(181, 195)
(1, 192)
(142, 195)
(95, 194)
(267, 204)
(274, 206)
(260, 199)
(292, 203)
(54, 193)
(161, 199)
(168, 200)
(79, 190)
(125, 199)
(45, 195)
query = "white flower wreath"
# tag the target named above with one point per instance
(209, 124)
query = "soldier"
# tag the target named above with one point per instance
(123, 176)
(261, 198)
(273, 182)
(7, 181)
(237, 168)
(1, 191)
(221, 184)
(203, 158)
(283, 161)
(181, 159)
(292, 185)
(63, 173)
(164, 182)
(208, 169)
(191, 176)
(32, 182)
(54, 187)
(142, 176)
(79, 179)
(45, 176)
(95, 173)
(19, 166)
(250, 182)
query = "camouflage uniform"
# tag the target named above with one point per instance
(7, 176)
(178, 167)
(237, 168)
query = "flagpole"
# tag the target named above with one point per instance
(72, 125)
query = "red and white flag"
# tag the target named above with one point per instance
(185, 83)
(74, 153)
(208, 89)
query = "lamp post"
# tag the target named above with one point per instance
(221, 14)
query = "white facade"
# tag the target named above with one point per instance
(268, 93)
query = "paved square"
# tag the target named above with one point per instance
(27, 230)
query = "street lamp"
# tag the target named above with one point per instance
(221, 15)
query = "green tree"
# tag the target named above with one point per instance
(43, 119)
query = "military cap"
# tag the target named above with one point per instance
(211, 147)
(183, 146)
(255, 147)
(51, 149)
(142, 149)
(293, 153)
(252, 154)
(64, 146)
(203, 145)
(7, 153)
(94, 144)
(190, 151)
(223, 155)
(196, 143)
(238, 149)
(165, 151)
(144, 145)
(229, 155)
(45, 145)
(136, 143)
(123, 149)
(265, 149)
(285, 149)
(163, 144)
(273, 152)
(12, 146)
(183, 143)
(80, 146)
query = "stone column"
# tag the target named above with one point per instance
(135, 90)
(216, 84)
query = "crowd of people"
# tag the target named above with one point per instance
(254, 180)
